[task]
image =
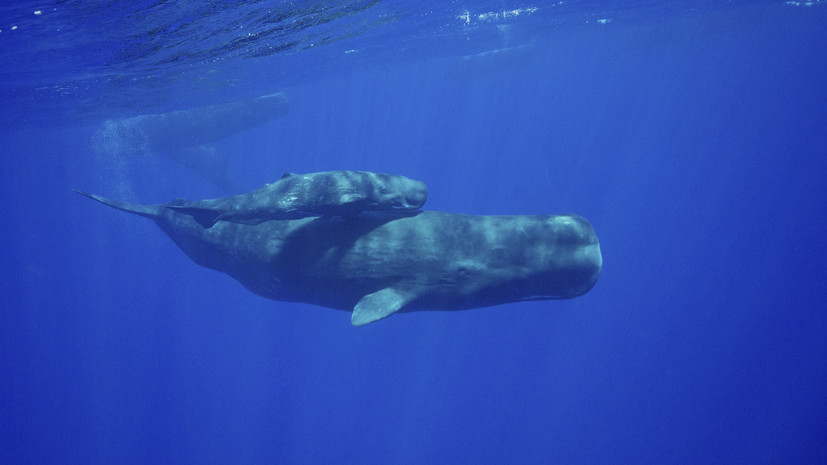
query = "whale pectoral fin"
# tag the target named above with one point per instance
(347, 199)
(378, 305)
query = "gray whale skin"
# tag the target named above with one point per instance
(379, 261)
(300, 195)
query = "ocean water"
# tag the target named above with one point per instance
(690, 133)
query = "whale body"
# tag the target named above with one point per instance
(376, 263)
(299, 195)
(188, 136)
(175, 130)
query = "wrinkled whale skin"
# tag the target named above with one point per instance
(299, 195)
(379, 262)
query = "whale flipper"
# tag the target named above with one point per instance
(379, 305)
(351, 198)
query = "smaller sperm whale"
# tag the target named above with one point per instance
(300, 195)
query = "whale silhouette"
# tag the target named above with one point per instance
(299, 195)
(379, 262)
(188, 136)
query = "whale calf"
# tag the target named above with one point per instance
(299, 195)
(376, 263)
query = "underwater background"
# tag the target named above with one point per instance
(692, 134)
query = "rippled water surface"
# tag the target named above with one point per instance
(689, 133)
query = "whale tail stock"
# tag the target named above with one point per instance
(148, 211)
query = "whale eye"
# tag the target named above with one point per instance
(459, 274)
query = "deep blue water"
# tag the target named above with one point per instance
(692, 135)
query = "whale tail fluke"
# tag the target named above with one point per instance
(149, 211)
(206, 217)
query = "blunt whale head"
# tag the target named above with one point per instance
(397, 192)
(447, 261)
(379, 262)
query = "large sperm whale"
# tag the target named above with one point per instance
(378, 262)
